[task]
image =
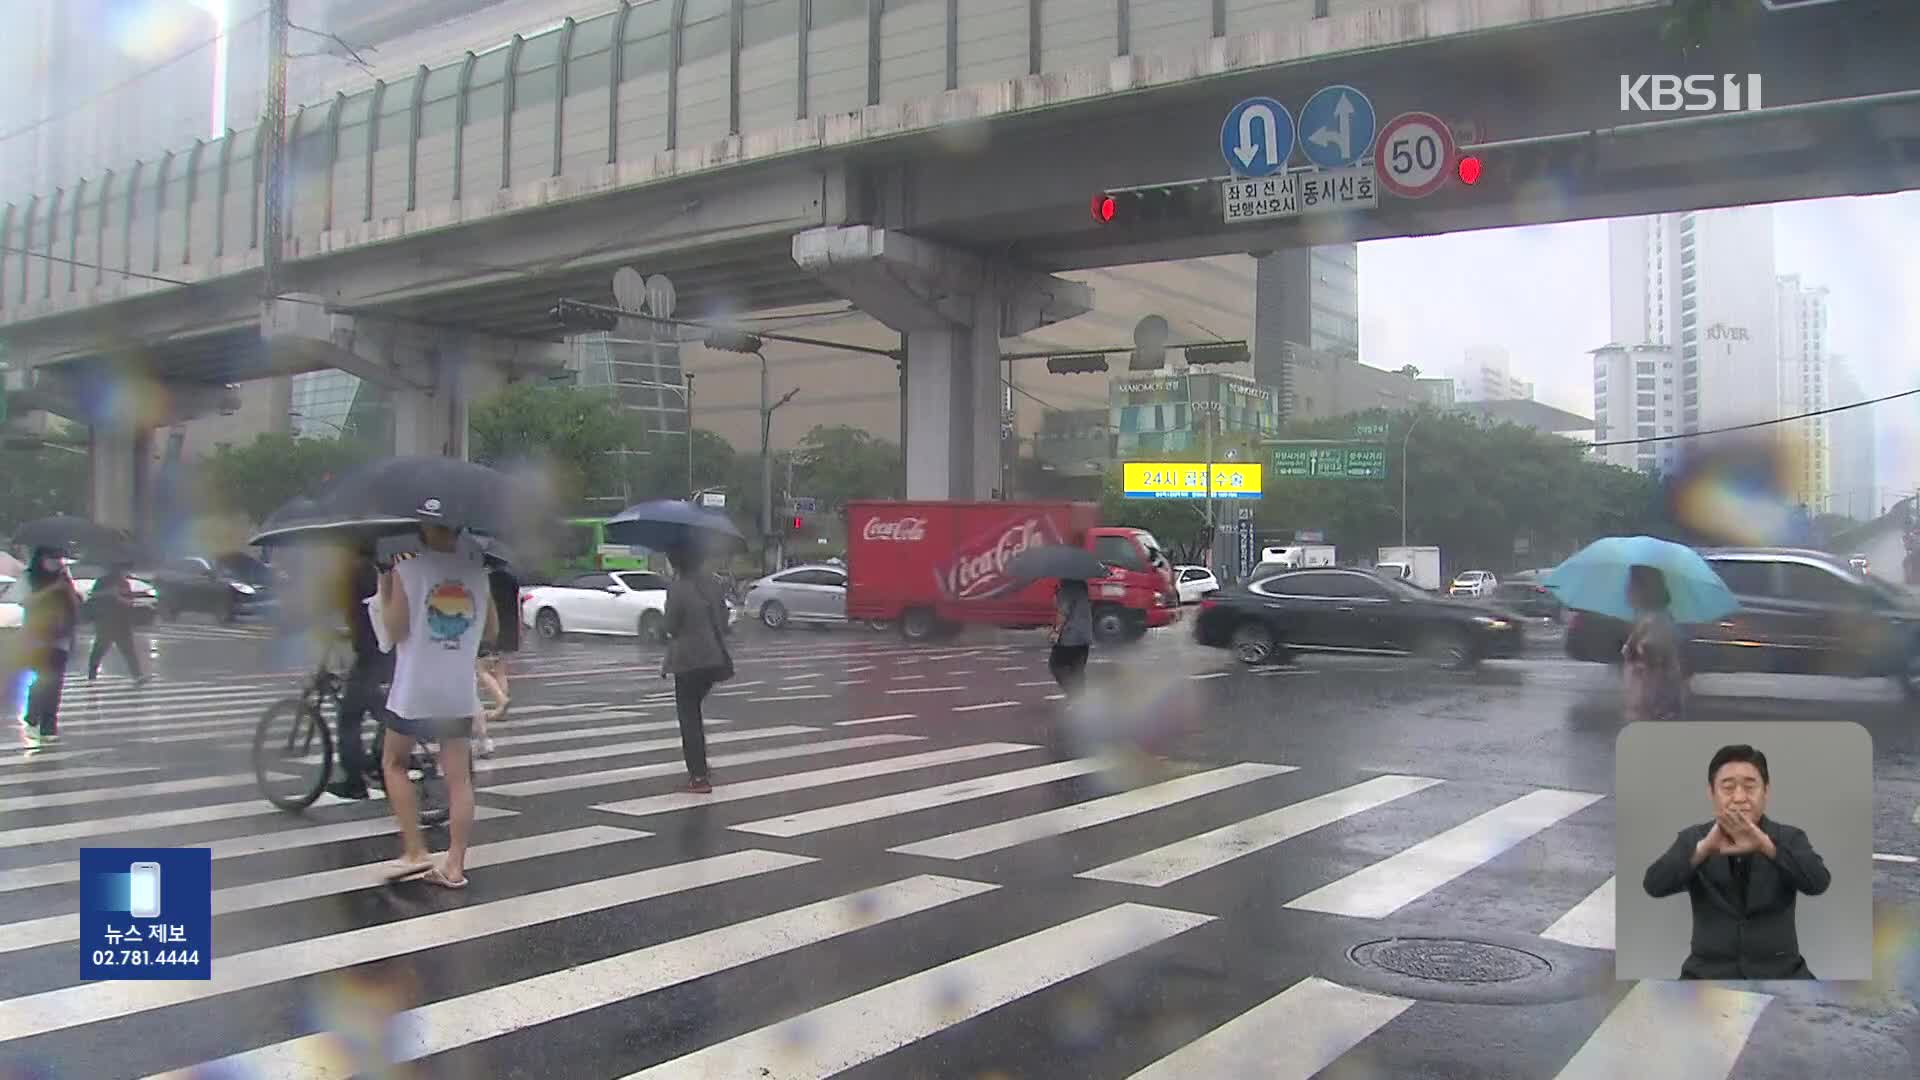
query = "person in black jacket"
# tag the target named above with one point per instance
(111, 603)
(1742, 872)
(366, 682)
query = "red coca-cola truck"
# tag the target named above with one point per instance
(936, 566)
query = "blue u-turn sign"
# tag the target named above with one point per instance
(1257, 137)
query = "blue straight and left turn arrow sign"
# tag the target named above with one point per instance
(1336, 127)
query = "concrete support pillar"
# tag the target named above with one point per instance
(119, 465)
(431, 374)
(953, 309)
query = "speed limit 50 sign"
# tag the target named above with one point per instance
(1414, 154)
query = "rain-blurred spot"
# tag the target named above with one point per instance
(798, 1034)
(952, 993)
(365, 1013)
(1081, 1021)
(962, 136)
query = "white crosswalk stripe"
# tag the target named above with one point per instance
(873, 791)
(858, 1029)
(445, 1025)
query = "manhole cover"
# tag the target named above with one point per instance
(1450, 960)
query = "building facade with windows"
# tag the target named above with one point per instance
(1488, 376)
(1853, 484)
(1636, 395)
(1804, 388)
(1155, 416)
(1701, 284)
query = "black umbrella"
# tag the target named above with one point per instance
(668, 525)
(312, 520)
(1056, 561)
(73, 534)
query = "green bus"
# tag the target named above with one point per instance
(585, 548)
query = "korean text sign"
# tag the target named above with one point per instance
(146, 913)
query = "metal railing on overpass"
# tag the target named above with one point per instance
(633, 82)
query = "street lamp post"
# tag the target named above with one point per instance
(766, 457)
(1405, 443)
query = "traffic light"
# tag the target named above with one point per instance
(1566, 166)
(1143, 205)
(799, 523)
(1233, 352)
(1078, 364)
(575, 315)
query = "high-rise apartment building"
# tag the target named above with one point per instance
(1853, 467)
(1804, 387)
(1636, 396)
(1701, 284)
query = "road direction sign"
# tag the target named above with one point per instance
(1299, 191)
(1414, 155)
(1336, 127)
(1330, 462)
(1257, 137)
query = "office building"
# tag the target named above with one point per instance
(1803, 388)
(1636, 395)
(1160, 415)
(1852, 440)
(1308, 297)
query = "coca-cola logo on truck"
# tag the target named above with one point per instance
(904, 530)
(979, 569)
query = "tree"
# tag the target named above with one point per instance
(836, 464)
(261, 477)
(661, 473)
(40, 481)
(1473, 490)
(571, 433)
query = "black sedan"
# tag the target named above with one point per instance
(1350, 610)
(224, 587)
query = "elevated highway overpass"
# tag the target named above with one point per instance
(929, 160)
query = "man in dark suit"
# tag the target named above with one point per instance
(1742, 872)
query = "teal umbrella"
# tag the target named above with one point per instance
(1595, 579)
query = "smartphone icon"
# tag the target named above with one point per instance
(143, 894)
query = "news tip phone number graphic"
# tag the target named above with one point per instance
(146, 913)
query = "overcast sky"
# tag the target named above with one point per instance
(1541, 292)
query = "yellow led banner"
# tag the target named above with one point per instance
(1188, 480)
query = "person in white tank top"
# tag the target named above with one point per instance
(436, 609)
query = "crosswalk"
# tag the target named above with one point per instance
(610, 889)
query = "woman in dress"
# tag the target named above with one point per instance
(1653, 663)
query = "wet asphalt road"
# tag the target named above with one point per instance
(918, 863)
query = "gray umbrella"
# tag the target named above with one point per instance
(1056, 561)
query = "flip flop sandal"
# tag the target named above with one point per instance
(435, 877)
(402, 871)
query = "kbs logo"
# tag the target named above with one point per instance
(1690, 93)
(905, 530)
(979, 570)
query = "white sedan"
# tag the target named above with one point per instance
(12, 610)
(1478, 584)
(626, 602)
(1194, 582)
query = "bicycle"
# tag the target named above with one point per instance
(305, 750)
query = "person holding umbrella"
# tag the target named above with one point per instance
(1658, 587)
(696, 656)
(111, 603)
(1072, 635)
(436, 609)
(1656, 677)
(696, 616)
(52, 617)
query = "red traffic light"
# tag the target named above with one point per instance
(1105, 208)
(1468, 170)
(799, 523)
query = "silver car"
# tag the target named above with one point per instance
(814, 593)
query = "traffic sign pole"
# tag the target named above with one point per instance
(1414, 155)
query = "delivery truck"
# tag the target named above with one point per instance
(1301, 556)
(934, 567)
(1418, 566)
